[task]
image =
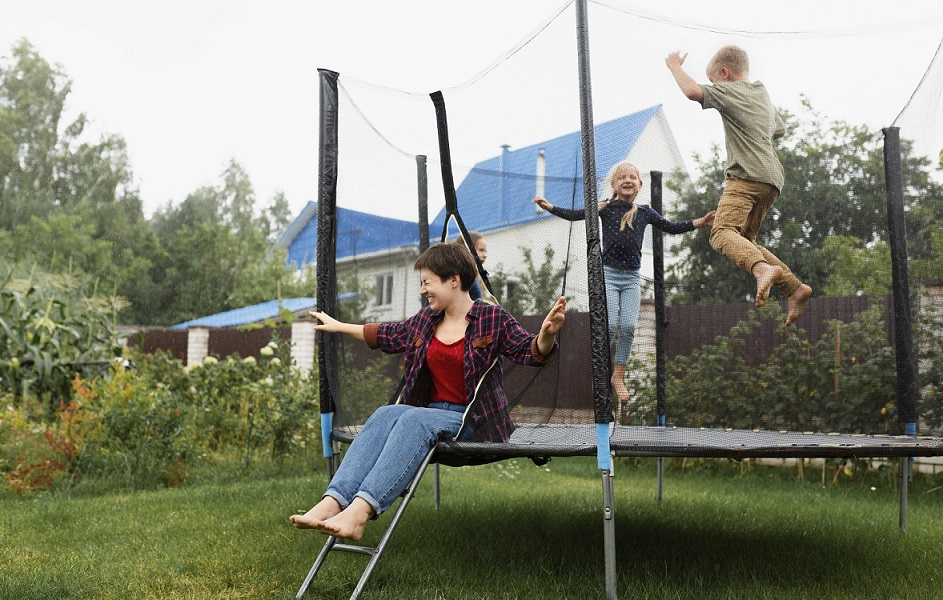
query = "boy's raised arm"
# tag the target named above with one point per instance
(689, 87)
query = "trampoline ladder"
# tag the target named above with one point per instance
(374, 553)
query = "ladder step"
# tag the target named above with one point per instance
(365, 550)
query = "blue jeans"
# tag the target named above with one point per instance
(623, 297)
(387, 453)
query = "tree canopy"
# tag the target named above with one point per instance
(830, 222)
(69, 203)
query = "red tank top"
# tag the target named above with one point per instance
(447, 369)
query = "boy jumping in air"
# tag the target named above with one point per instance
(754, 174)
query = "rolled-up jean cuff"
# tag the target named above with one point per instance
(337, 497)
(369, 500)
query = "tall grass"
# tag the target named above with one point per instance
(506, 530)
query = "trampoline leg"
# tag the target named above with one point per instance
(905, 477)
(609, 534)
(661, 477)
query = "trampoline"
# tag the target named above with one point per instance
(579, 419)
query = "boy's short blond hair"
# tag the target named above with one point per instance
(734, 58)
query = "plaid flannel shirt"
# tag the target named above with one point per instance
(492, 332)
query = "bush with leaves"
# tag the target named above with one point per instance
(845, 381)
(928, 338)
(139, 436)
(252, 403)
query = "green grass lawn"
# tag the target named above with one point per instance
(506, 530)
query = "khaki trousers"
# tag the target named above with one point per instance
(740, 213)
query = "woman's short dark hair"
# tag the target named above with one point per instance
(446, 260)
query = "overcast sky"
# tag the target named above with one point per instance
(190, 85)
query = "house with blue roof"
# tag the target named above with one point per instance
(494, 198)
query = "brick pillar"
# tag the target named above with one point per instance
(198, 344)
(302, 345)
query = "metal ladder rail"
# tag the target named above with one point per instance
(374, 553)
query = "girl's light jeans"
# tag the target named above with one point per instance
(623, 297)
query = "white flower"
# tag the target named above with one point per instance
(266, 351)
(276, 361)
(249, 360)
(271, 345)
(268, 381)
(210, 360)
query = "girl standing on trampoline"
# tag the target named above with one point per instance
(623, 229)
(453, 387)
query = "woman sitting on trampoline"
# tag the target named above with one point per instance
(623, 229)
(453, 387)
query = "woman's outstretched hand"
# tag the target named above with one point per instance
(331, 325)
(542, 203)
(327, 322)
(553, 322)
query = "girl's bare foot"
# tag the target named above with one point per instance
(350, 523)
(766, 275)
(618, 383)
(319, 513)
(797, 301)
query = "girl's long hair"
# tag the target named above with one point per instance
(628, 217)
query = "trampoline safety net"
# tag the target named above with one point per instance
(724, 377)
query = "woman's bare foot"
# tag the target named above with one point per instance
(319, 513)
(618, 383)
(350, 523)
(797, 301)
(766, 275)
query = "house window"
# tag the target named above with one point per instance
(384, 285)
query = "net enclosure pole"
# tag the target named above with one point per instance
(598, 317)
(903, 315)
(422, 184)
(326, 255)
(661, 319)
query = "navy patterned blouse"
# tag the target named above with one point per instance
(623, 249)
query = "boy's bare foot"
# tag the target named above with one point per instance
(766, 275)
(319, 513)
(350, 523)
(797, 301)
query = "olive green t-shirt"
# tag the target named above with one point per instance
(750, 125)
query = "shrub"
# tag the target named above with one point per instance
(845, 381)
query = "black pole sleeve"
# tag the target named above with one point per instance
(903, 316)
(327, 236)
(445, 154)
(661, 320)
(448, 183)
(598, 316)
(422, 176)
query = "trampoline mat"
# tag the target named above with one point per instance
(580, 440)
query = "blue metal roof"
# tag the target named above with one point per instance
(498, 191)
(250, 314)
(357, 233)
